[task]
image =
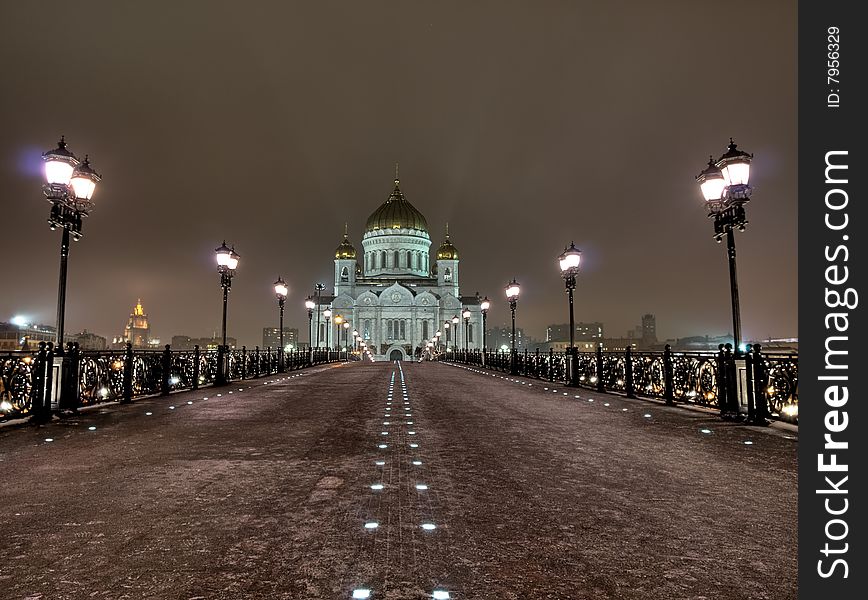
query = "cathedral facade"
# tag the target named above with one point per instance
(396, 293)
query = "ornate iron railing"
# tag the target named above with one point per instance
(121, 375)
(703, 378)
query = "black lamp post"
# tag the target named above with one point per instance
(309, 304)
(69, 186)
(724, 184)
(281, 290)
(446, 325)
(484, 306)
(466, 314)
(512, 292)
(318, 288)
(347, 338)
(569, 264)
(227, 262)
(456, 341)
(327, 314)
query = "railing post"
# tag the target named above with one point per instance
(759, 385)
(220, 375)
(38, 397)
(749, 392)
(731, 383)
(628, 372)
(166, 374)
(69, 393)
(258, 363)
(551, 369)
(601, 387)
(722, 382)
(243, 362)
(668, 376)
(195, 384)
(127, 395)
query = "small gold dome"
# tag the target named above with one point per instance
(447, 251)
(345, 251)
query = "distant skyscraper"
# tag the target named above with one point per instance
(649, 329)
(271, 337)
(138, 331)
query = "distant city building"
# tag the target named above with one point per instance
(619, 344)
(27, 336)
(90, 341)
(185, 342)
(498, 337)
(271, 337)
(584, 332)
(649, 329)
(138, 330)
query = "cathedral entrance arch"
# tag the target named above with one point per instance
(397, 354)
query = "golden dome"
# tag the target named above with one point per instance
(447, 251)
(396, 213)
(345, 251)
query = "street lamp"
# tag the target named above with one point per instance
(466, 314)
(455, 331)
(347, 337)
(280, 290)
(318, 288)
(724, 184)
(309, 304)
(446, 325)
(327, 315)
(484, 306)
(69, 186)
(355, 339)
(512, 292)
(437, 337)
(227, 262)
(569, 263)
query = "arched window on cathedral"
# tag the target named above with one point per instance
(403, 330)
(345, 274)
(424, 330)
(470, 333)
(396, 259)
(447, 274)
(383, 259)
(414, 261)
(367, 332)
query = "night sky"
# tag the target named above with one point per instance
(525, 125)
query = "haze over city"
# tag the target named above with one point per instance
(519, 125)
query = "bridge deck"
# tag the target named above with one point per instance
(265, 493)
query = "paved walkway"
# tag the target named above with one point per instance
(265, 491)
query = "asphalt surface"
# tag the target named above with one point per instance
(266, 493)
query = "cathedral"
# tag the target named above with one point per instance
(395, 293)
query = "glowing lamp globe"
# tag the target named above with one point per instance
(485, 304)
(280, 288)
(60, 164)
(711, 182)
(309, 303)
(512, 290)
(466, 314)
(570, 259)
(84, 180)
(224, 255)
(734, 165)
